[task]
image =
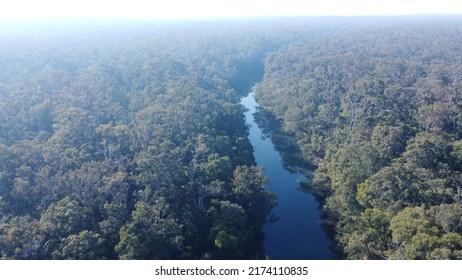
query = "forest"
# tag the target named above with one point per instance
(128, 141)
(377, 109)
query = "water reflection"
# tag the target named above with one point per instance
(298, 233)
(284, 142)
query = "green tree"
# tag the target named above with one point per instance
(61, 219)
(371, 237)
(85, 245)
(249, 191)
(20, 238)
(152, 234)
(228, 231)
(413, 233)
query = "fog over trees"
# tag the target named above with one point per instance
(127, 140)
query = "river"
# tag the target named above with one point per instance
(298, 233)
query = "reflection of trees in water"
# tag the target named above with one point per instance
(284, 143)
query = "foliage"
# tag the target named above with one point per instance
(130, 142)
(123, 144)
(377, 108)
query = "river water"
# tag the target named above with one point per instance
(297, 234)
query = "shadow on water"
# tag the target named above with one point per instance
(247, 74)
(298, 233)
(292, 160)
(284, 142)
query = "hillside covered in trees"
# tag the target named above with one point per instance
(127, 140)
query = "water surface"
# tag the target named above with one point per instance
(298, 234)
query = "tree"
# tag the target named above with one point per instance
(249, 192)
(228, 231)
(390, 141)
(413, 233)
(65, 217)
(427, 150)
(20, 238)
(85, 245)
(371, 237)
(152, 234)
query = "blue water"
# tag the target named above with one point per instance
(298, 234)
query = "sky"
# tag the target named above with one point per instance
(204, 9)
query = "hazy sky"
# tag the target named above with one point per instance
(181, 9)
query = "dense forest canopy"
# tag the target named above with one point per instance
(127, 140)
(378, 109)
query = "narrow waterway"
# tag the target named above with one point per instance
(298, 233)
